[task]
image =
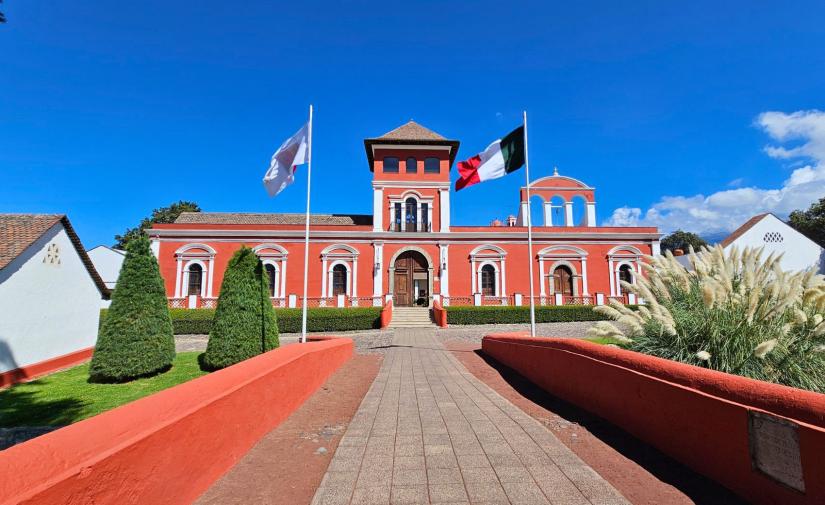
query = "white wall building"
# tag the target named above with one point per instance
(776, 236)
(50, 296)
(107, 262)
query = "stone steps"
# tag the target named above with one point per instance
(411, 317)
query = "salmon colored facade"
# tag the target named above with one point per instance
(408, 250)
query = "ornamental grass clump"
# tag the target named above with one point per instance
(735, 312)
(245, 324)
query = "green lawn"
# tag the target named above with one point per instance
(66, 397)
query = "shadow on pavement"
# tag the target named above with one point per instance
(698, 488)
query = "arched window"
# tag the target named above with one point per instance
(425, 217)
(412, 165)
(488, 280)
(339, 280)
(625, 274)
(563, 280)
(412, 218)
(195, 279)
(391, 165)
(270, 270)
(432, 165)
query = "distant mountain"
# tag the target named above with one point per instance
(714, 237)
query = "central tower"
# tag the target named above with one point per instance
(411, 179)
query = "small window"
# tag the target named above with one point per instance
(339, 280)
(425, 218)
(270, 271)
(391, 165)
(625, 274)
(773, 236)
(397, 223)
(411, 217)
(195, 279)
(412, 165)
(432, 165)
(488, 280)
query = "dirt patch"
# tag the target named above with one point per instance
(287, 464)
(640, 472)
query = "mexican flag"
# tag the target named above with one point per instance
(499, 159)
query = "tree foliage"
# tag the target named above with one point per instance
(135, 338)
(245, 324)
(161, 215)
(811, 222)
(682, 240)
(2, 16)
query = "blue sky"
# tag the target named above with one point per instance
(693, 115)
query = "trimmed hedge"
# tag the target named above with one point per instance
(199, 321)
(245, 324)
(136, 339)
(516, 315)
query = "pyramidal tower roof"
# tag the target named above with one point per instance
(410, 133)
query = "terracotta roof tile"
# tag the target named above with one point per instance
(271, 218)
(750, 223)
(411, 131)
(19, 231)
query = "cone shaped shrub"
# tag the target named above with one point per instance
(245, 323)
(135, 338)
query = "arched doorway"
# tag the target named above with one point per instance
(563, 280)
(411, 279)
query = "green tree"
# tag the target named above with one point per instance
(135, 338)
(2, 16)
(682, 240)
(245, 324)
(811, 222)
(161, 215)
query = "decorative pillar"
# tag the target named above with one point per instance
(377, 209)
(211, 266)
(354, 293)
(503, 279)
(568, 214)
(324, 279)
(524, 214)
(283, 277)
(548, 214)
(584, 277)
(591, 214)
(541, 278)
(473, 274)
(392, 217)
(418, 217)
(377, 274)
(444, 272)
(444, 208)
(178, 276)
(612, 279)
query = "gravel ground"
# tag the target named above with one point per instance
(474, 332)
(379, 341)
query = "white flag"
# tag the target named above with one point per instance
(293, 152)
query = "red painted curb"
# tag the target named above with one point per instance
(386, 315)
(33, 371)
(699, 417)
(169, 447)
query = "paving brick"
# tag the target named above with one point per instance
(402, 495)
(447, 493)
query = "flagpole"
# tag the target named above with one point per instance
(529, 234)
(306, 232)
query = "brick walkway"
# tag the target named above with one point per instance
(429, 432)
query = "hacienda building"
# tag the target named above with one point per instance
(408, 250)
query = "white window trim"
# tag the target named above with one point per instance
(204, 275)
(496, 277)
(349, 276)
(184, 255)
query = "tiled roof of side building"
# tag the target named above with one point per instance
(19, 231)
(272, 218)
(742, 229)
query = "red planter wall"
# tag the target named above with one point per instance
(169, 447)
(697, 416)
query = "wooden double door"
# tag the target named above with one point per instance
(411, 280)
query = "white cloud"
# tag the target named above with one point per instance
(803, 136)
